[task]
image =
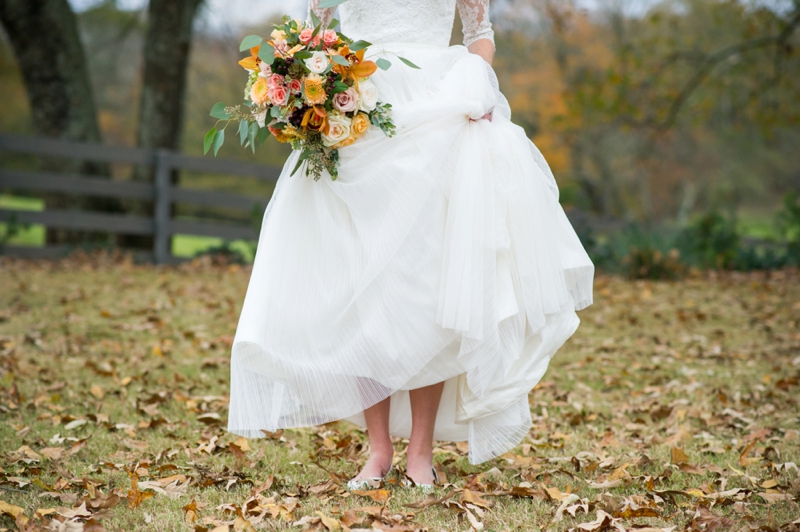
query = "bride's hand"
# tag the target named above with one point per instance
(487, 116)
(483, 48)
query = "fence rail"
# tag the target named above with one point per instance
(162, 192)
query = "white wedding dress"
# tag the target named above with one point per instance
(440, 254)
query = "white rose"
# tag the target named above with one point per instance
(367, 96)
(338, 129)
(317, 63)
(261, 118)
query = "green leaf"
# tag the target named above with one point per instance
(267, 54)
(302, 54)
(359, 45)
(314, 18)
(338, 86)
(219, 138)
(303, 156)
(275, 111)
(218, 111)
(249, 42)
(340, 60)
(407, 62)
(383, 64)
(209, 139)
(251, 135)
(243, 127)
(263, 135)
(333, 23)
(330, 3)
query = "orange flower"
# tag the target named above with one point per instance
(259, 92)
(251, 63)
(358, 67)
(315, 119)
(315, 90)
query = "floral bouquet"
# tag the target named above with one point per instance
(308, 86)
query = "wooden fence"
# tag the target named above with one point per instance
(162, 193)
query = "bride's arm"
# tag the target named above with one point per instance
(478, 34)
(324, 14)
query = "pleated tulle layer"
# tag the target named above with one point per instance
(441, 254)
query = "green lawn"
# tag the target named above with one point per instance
(675, 406)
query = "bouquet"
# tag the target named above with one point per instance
(309, 86)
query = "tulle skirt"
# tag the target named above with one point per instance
(439, 255)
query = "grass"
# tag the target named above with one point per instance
(674, 405)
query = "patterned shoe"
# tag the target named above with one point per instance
(367, 483)
(424, 488)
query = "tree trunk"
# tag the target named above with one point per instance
(166, 59)
(44, 37)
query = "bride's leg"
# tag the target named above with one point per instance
(381, 450)
(424, 406)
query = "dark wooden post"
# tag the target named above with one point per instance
(163, 201)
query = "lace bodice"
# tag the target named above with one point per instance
(419, 21)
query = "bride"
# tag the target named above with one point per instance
(423, 293)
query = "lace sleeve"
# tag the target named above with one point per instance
(475, 20)
(324, 14)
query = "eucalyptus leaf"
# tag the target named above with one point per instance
(406, 61)
(267, 54)
(219, 139)
(251, 41)
(275, 111)
(208, 140)
(243, 128)
(383, 64)
(218, 111)
(302, 54)
(252, 131)
(338, 59)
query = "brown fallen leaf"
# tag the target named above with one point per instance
(678, 456)
(379, 495)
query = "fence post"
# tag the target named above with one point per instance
(163, 202)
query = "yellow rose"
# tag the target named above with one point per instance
(278, 35)
(358, 125)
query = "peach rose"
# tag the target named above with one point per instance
(294, 85)
(305, 35)
(279, 95)
(330, 38)
(275, 80)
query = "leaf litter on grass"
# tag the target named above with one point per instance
(674, 407)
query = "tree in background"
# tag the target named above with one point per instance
(689, 104)
(46, 42)
(47, 45)
(168, 42)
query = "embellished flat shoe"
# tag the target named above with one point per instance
(424, 488)
(367, 483)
